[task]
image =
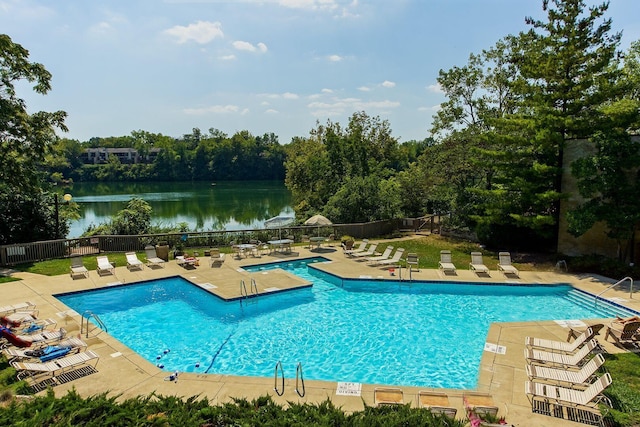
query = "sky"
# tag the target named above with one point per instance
(264, 66)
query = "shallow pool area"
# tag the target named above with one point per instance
(370, 331)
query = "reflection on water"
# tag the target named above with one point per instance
(223, 206)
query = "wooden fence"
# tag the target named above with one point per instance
(61, 248)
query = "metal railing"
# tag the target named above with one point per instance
(300, 378)
(61, 248)
(595, 303)
(84, 320)
(280, 391)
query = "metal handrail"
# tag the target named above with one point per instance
(87, 315)
(614, 285)
(254, 287)
(300, 376)
(275, 382)
(243, 289)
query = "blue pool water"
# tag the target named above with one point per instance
(424, 334)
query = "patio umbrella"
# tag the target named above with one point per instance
(279, 222)
(318, 221)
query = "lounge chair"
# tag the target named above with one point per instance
(45, 353)
(437, 403)
(388, 396)
(504, 264)
(133, 261)
(385, 255)
(582, 377)
(394, 260)
(216, 257)
(104, 266)
(351, 250)
(35, 326)
(371, 251)
(38, 371)
(152, 257)
(77, 267)
(560, 346)
(27, 305)
(534, 356)
(477, 264)
(575, 333)
(413, 261)
(591, 397)
(624, 334)
(479, 404)
(17, 318)
(445, 264)
(33, 340)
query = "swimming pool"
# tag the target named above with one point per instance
(370, 331)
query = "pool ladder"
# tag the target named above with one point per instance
(86, 316)
(300, 388)
(253, 289)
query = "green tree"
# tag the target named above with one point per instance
(135, 218)
(26, 213)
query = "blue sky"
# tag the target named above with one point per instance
(258, 65)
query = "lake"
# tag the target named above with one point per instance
(202, 205)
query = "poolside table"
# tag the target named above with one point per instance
(243, 248)
(317, 241)
(280, 245)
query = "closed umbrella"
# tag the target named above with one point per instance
(318, 221)
(279, 222)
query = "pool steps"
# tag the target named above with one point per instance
(607, 310)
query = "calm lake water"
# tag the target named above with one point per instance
(223, 206)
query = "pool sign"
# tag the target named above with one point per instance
(348, 389)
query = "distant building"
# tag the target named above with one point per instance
(101, 155)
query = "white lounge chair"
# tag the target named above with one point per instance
(394, 260)
(38, 371)
(21, 306)
(582, 377)
(77, 267)
(152, 257)
(133, 261)
(588, 398)
(73, 344)
(534, 356)
(437, 403)
(413, 261)
(217, 257)
(445, 264)
(104, 266)
(17, 318)
(35, 326)
(560, 346)
(371, 251)
(504, 264)
(479, 404)
(388, 396)
(477, 264)
(360, 248)
(385, 255)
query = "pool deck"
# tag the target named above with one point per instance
(121, 371)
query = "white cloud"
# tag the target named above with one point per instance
(325, 90)
(436, 88)
(387, 83)
(347, 105)
(101, 28)
(228, 57)
(248, 47)
(289, 95)
(432, 109)
(215, 109)
(271, 111)
(201, 32)
(310, 4)
(364, 89)
(334, 58)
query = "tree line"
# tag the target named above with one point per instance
(494, 157)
